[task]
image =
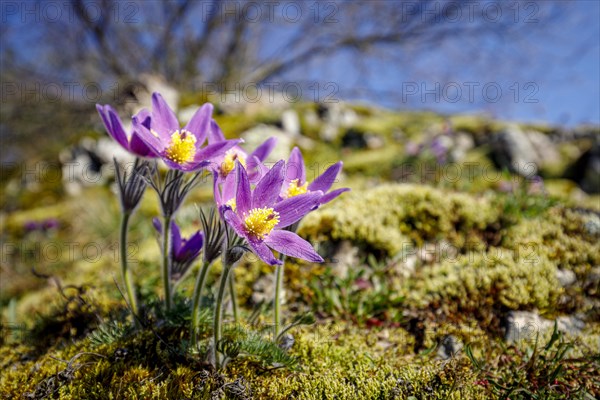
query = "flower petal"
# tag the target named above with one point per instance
(243, 195)
(256, 169)
(268, 188)
(234, 221)
(292, 245)
(113, 124)
(157, 225)
(139, 147)
(263, 252)
(153, 142)
(294, 208)
(294, 168)
(176, 241)
(164, 120)
(263, 151)
(324, 181)
(215, 149)
(332, 195)
(200, 124)
(191, 247)
(229, 188)
(215, 134)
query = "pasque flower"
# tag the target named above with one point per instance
(183, 251)
(295, 179)
(223, 164)
(132, 143)
(260, 218)
(180, 148)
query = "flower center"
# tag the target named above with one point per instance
(231, 203)
(294, 189)
(229, 161)
(182, 148)
(260, 221)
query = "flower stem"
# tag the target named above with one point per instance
(233, 296)
(217, 328)
(166, 272)
(277, 297)
(198, 289)
(124, 268)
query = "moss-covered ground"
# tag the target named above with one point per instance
(421, 275)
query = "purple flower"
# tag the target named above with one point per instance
(224, 163)
(258, 216)
(295, 179)
(114, 127)
(183, 251)
(180, 148)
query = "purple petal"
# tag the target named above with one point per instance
(113, 124)
(176, 240)
(256, 169)
(191, 247)
(212, 150)
(324, 181)
(264, 149)
(243, 199)
(200, 124)
(164, 120)
(217, 189)
(294, 168)
(293, 209)
(263, 252)
(292, 245)
(215, 134)
(332, 195)
(234, 221)
(157, 225)
(154, 143)
(139, 147)
(268, 188)
(229, 187)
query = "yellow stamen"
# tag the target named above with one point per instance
(294, 189)
(229, 161)
(231, 203)
(182, 148)
(260, 221)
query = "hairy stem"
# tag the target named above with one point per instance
(131, 297)
(198, 289)
(166, 272)
(233, 296)
(277, 296)
(217, 328)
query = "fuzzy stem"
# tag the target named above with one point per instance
(198, 289)
(217, 328)
(124, 267)
(277, 297)
(233, 296)
(166, 272)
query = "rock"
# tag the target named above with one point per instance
(565, 277)
(449, 347)
(263, 290)
(255, 136)
(354, 139)
(462, 143)
(586, 170)
(523, 152)
(90, 163)
(140, 94)
(526, 325)
(335, 115)
(290, 122)
(592, 225)
(344, 257)
(374, 141)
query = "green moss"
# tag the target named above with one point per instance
(481, 282)
(394, 218)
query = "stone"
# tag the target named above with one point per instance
(585, 171)
(565, 277)
(523, 152)
(527, 325)
(290, 122)
(255, 136)
(344, 257)
(449, 347)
